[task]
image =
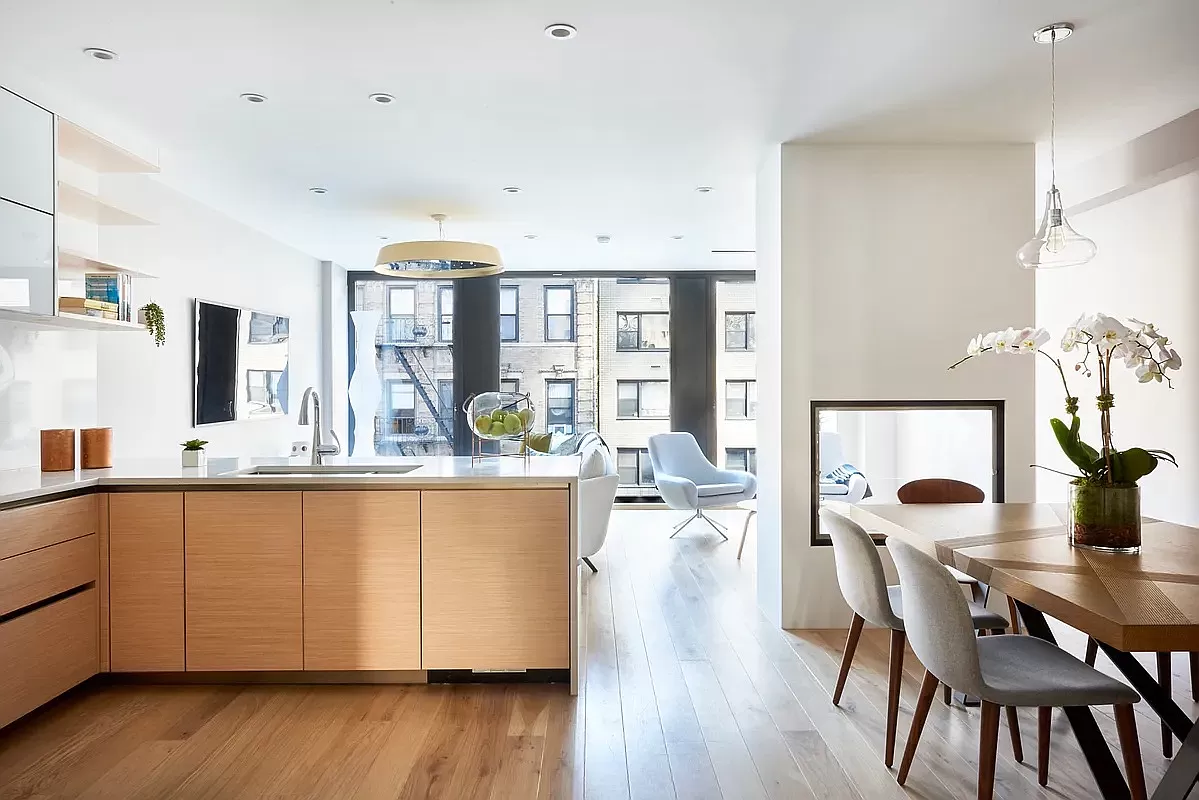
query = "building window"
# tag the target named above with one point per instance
(634, 467)
(740, 399)
(509, 314)
(445, 399)
(401, 313)
(510, 385)
(642, 331)
(401, 407)
(643, 399)
(742, 459)
(559, 313)
(445, 313)
(560, 406)
(739, 330)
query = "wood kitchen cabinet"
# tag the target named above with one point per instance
(495, 578)
(244, 580)
(362, 580)
(145, 552)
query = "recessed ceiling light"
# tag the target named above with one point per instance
(1053, 33)
(703, 189)
(560, 30)
(100, 54)
(511, 190)
(677, 236)
(530, 236)
(318, 190)
(603, 238)
(381, 98)
(253, 97)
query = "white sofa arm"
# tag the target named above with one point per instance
(857, 490)
(678, 493)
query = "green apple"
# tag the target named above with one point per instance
(498, 429)
(512, 423)
(525, 415)
(498, 415)
(483, 424)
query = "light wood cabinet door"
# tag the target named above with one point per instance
(244, 580)
(495, 579)
(145, 568)
(361, 580)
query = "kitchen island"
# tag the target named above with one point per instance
(400, 570)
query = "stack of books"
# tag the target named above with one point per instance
(89, 308)
(106, 294)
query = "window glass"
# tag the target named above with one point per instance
(402, 300)
(559, 313)
(509, 385)
(560, 406)
(739, 330)
(655, 331)
(509, 325)
(655, 399)
(445, 313)
(628, 332)
(634, 467)
(626, 399)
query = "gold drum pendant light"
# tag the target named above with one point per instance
(439, 259)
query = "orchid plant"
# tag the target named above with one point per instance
(1104, 342)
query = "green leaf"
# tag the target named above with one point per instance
(1162, 455)
(1136, 464)
(1067, 439)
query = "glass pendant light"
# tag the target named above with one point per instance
(1056, 243)
(439, 259)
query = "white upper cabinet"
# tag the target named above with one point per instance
(26, 153)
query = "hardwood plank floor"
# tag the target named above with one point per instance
(689, 693)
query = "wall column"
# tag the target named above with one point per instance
(476, 348)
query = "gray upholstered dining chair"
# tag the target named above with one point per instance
(1002, 671)
(864, 587)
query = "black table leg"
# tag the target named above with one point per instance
(1094, 747)
(1183, 772)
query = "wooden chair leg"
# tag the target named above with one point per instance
(1014, 613)
(1013, 726)
(1044, 724)
(1130, 745)
(987, 747)
(1194, 676)
(851, 644)
(1092, 651)
(1164, 679)
(927, 690)
(894, 682)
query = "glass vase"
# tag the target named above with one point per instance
(1106, 518)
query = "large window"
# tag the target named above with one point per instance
(559, 313)
(445, 313)
(401, 407)
(510, 385)
(401, 314)
(740, 399)
(739, 330)
(643, 399)
(634, 467)
(742, 459)
(560, 405)
(642, 331)
(509, 313)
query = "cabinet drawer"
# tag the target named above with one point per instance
(31, 527)
(45, 652)
(31, 577)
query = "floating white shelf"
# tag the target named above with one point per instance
(75, 261)
(99, 155)
(71, 321)
(75, 202)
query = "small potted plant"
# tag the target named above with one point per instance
(155, 321)
(193, 453)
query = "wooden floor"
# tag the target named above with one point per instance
(689, 693)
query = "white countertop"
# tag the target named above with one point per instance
(19, 485)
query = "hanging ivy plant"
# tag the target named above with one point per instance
(156, 323)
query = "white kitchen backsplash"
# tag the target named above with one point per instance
(47, 380)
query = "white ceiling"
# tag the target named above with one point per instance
(608, 133)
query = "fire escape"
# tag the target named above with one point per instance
(401, 338)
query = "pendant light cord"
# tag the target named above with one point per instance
(1053, 111)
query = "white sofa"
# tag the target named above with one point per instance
(597, 491)
(832, 456)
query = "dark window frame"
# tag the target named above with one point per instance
(643, 459)
(748, 324)
(639, 348)
(998, 477)
(638, 383)
(745, 415)
(442, 320)
(515, 289)
(574, 402)
(546, 312)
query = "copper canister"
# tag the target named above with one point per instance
(58, 449)
(95, 448)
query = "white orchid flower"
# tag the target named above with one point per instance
(1075, 334)
(1149, 371)
(1108, 333)
(976, 346)
(1005, 341)
(1146, 329)
(1169, 358)
(1030, 340)
(988, 342)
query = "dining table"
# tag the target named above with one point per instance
(1127, 602)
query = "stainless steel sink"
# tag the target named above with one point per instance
(328, 470)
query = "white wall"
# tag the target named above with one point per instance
(1145, 221)
(891, 258)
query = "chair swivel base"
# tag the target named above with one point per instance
(699, 514)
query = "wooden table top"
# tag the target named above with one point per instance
(1138, 603)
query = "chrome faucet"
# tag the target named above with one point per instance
(319, 448)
